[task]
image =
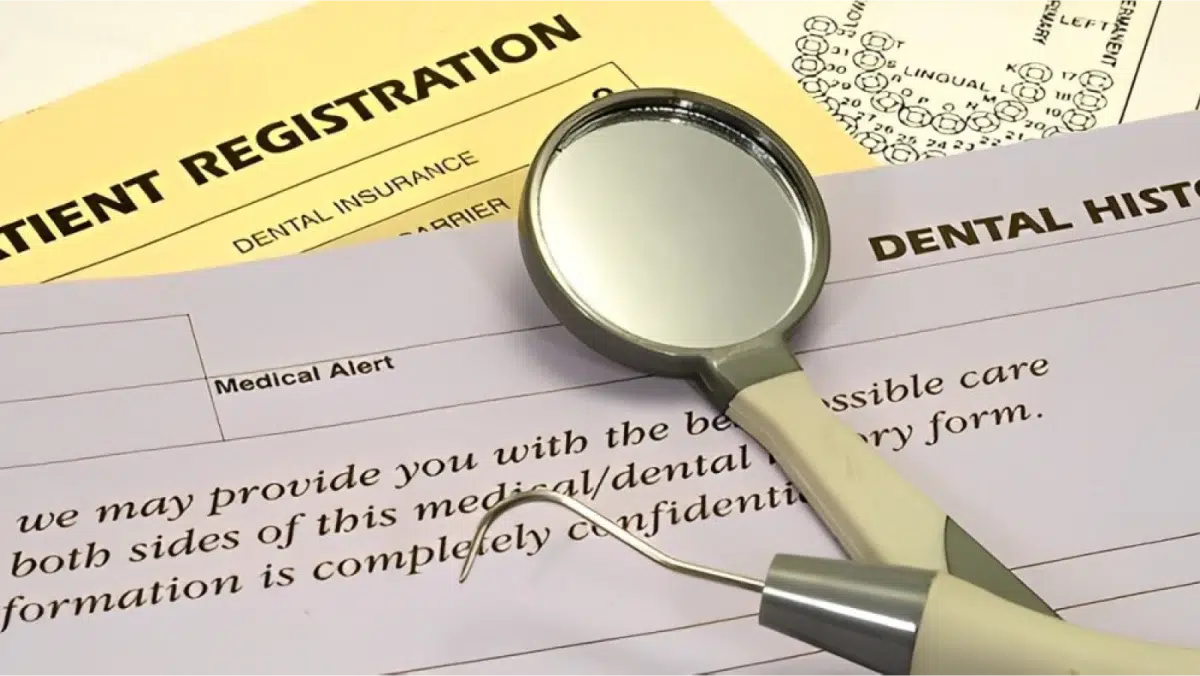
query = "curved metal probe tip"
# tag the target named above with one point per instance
(608, 526)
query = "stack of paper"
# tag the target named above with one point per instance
(278, 466)
(409, 117)
(917, 80)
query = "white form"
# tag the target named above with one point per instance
(52, 50)
(276, 467)
(913, 79)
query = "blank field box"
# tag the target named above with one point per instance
(57, 429)
(52, 361)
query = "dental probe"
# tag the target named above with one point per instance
(898, 620)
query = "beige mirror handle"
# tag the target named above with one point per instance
(875, 514)
(966, 630)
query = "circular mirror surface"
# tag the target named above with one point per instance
(672, 233)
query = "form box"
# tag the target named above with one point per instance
(56, 361)
(1125, 571)
(405, 380)
(104, 423)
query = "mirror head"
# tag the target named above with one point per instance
(666, 229)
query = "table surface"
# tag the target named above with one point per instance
(49, 50)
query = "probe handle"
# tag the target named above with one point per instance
(874, 513)
(967, 630)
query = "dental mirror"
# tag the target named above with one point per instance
(680, 236)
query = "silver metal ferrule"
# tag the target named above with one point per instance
(864, 613)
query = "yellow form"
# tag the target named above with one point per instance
(346, 122)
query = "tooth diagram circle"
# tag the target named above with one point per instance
(856, 75)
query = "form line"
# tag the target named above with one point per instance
(84, 325)
(1145, 592)
(735, 618)
(587, 386)
(212, 400)
(550, 325)
(414, 207)
(1110, 550)
(1141, 57)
